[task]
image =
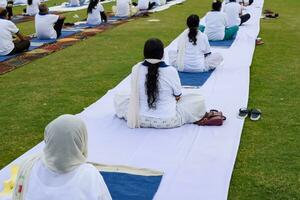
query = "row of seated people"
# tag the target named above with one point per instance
(219, 26)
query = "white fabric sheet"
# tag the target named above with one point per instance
(63, 7)
(197, 161)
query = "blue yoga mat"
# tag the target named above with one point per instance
(117, 18)
(222, 43)
(194, 79)
(36, 43)
(123, 186)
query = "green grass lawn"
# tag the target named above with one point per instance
(268, 162)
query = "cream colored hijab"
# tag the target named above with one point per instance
(66, 148)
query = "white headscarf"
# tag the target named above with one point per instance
(66, 148)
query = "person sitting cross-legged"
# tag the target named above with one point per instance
(48, 26)
(217, 27)
(234, 14)
(156, 99)
(60, 171)
(193, 51)
(7, 29)
(96, 13)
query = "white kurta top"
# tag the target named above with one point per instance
(123, 8)
(85, 182)
(33, 9)
(216, 22)
(194, 59)
(233, 11)
(169, 87)
(44, 26)
(94, 18)
(7, 29)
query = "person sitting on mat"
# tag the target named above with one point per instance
(76, 3)
(7, 29)
(60, 170)
(193, 52)
(124, 8)
(48, 26)
(234, 13)
(242, 2)
(145, 4)
(156, 98)
(96, 13)
(216, 24)
(32, 7)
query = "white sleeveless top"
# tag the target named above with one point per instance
(83, 183)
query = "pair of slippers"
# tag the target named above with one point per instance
(254, 113)
(268, 14)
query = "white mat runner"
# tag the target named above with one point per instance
(197, 161)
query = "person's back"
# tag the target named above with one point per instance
(194, 59)
(6, 40)
(216, 23)
(33, 8)
(143, 4)
(94, 17)
(85, 182)
(169, 86)
(123, 8)
(233, 11)
(3, 3)
(44, 26)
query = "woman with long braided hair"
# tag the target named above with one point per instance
(193, 53)
(155, 98)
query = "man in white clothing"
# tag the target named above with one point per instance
(234, 13)
(48, 26)
(7, 29)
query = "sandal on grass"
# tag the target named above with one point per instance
(243, 113)
(259, 41)
(255, 114)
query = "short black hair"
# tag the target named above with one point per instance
(217, 5)
(3, 12)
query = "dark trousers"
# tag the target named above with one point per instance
(20, 46)
(58, 26)
(151, 5)
(103, 16)
(9, 12)
(244, 18)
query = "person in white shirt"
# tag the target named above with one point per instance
(96, 13)
(7, 30)
(122, 8)
(242, 2)
(76, 3)
(234, 13)
(60, 171)
(155, 98)
(217, 27)
(193, 50)
(48, 26)
(32, 7)
(145, 4)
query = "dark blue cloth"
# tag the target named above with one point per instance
(161, 64)
(221, 43)
(123, 186)
(194, 79)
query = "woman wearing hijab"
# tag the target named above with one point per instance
(60, 172)
(193, 52)
(155, 98)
